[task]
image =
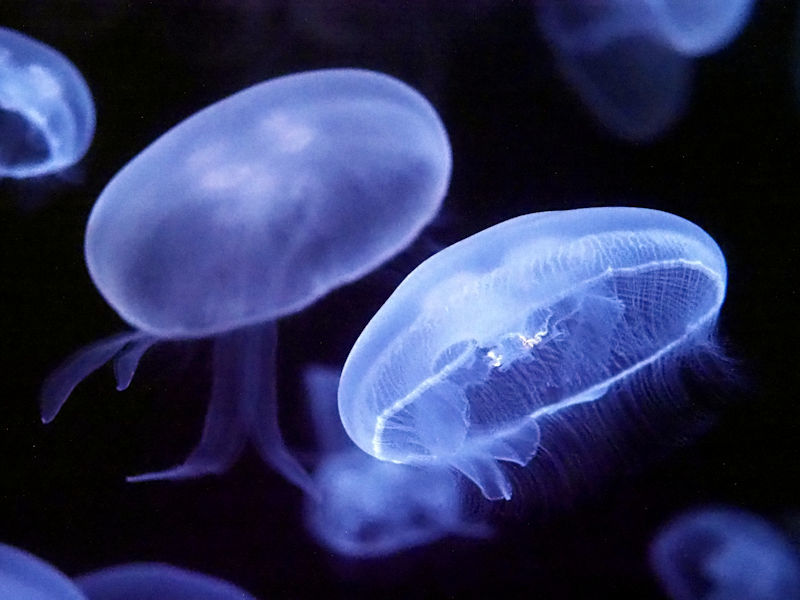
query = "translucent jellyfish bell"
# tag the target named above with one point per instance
(26, 577)
(631, 60)
(151, 581)
(47, 115)
(725, 554)
(273, 197)
(367, 507)
(520, 322)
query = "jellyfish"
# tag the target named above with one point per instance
(631, 60)
(515, 324)
(47, 113)
(26, 577)
(156, 581)
(722, 553)
(273, 197)
(366, 507)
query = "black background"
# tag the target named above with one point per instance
(521, 143)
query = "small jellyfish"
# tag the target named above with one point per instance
(156, 581)
(47, 113)
(631, 60)
(273, 197)
(725, 554)
(367, 507)
(26, 577)
(521, 321)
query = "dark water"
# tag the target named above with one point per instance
(521, 143)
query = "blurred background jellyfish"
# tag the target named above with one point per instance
(272, 198)
(156, 581)
(491, 337)
(47, 115)
(725, 554)
(630, 61)
(367, 507)
(26, 577)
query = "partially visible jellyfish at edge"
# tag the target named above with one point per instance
(509, 328)
(631, 61)
(23, 576)
(47, 114)
(274, 196)
(721, 553)
(368, 508)
(151, 581)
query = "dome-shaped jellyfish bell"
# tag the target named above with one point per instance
(493, 336)
(47, 115)
(250, 210)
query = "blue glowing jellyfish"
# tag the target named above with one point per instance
(47, 114)
(25, 577)
(519, 322)
(156, 581)
(725, 554)
(272, 198)
(366, 507)
(631, 60)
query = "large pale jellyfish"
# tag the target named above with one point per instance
(514, 325)
(250, 210)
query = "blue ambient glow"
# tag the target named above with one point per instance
(520, 322)
(260, 213)
(26, 577)
(725, 554)
(367, 507)
(631, 60)
(47, 116)
(151, 581)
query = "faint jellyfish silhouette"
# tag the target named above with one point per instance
(47, 116)
(725, 554)
(630, 60)
(26, 577)
(367, 507)
(274, 196)
(152, 581)
(521, 321)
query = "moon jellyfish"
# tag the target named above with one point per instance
(47, 113)
(26, 577)
(725, 554)
(367, 507)
(630, 60)
(273, 197)
(511, 326)
(155, 581)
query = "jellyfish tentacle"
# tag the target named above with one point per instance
(59, 384)
(127, 360)
(258, 404)
(224, 431)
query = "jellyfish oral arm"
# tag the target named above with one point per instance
(224, 431)
(59, 384)
(258, 402)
